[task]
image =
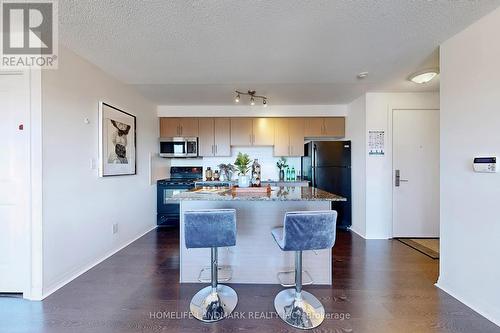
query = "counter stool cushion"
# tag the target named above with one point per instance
(307, 230)
(210, 228)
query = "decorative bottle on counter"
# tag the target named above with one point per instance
(208, 174)
(288, 174)
(292, 177)
(256, 173)
(216, 175)
(282, 175)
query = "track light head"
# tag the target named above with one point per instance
(252, 94)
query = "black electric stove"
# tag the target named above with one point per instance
(181, 179)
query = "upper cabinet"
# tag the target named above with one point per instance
(263, 131)
(222, 137)
(214, 137)
(170, 127)
(241, 132)
(314, 127)
(289, 137)
(335, 126)
(217, 135)
(252, 131)
(325, 127)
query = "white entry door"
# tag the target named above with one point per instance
(14, 182)
(415, 173)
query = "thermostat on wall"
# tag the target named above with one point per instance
(485, 164)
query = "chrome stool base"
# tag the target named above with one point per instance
(304, 311)
(209, 305)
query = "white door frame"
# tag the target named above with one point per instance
(35, 289)
(33, 127)
(391, 139)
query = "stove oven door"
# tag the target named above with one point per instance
(167, 210)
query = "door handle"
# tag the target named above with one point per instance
(397, 179)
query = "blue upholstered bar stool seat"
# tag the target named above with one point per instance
(302, 231)
(211, 228)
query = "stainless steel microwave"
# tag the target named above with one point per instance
(179, 147)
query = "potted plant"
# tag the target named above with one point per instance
(242, 164)
(281, 164)
(227, 170)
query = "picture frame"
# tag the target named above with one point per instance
(117, 142)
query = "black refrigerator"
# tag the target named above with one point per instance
(327, 165)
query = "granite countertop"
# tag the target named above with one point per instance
(265, 181)
(292, 193)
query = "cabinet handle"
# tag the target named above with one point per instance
(291, 150)
(212, 149)
(182, 129)
(250, 136)
(216, 149)
(253, 138)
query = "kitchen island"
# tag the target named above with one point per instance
(256, 258)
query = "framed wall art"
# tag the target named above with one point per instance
(117, 142)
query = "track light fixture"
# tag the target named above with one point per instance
(253, 96)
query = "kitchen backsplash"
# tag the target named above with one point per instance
(263, 154)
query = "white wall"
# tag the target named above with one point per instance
(78, 207)
(356, 126)
(470, 126)
(379, 108)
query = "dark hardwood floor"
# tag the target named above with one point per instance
(379, 286)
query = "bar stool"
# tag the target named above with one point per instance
(211, 228)
(301, 231)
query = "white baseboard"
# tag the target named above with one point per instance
(70, 276)
(486, 314)
(357, 232)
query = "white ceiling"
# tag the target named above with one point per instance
(296, 52)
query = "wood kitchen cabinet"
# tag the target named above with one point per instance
(241, 131)
(170, 127)
(335, 127)
(289, 137)
(325, 127)
(263, 131)
(252, 131)
(222, 137)
(214, 137)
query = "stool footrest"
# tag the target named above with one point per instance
(287, 278)
(224, 274)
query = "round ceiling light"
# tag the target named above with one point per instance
(424, 77)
